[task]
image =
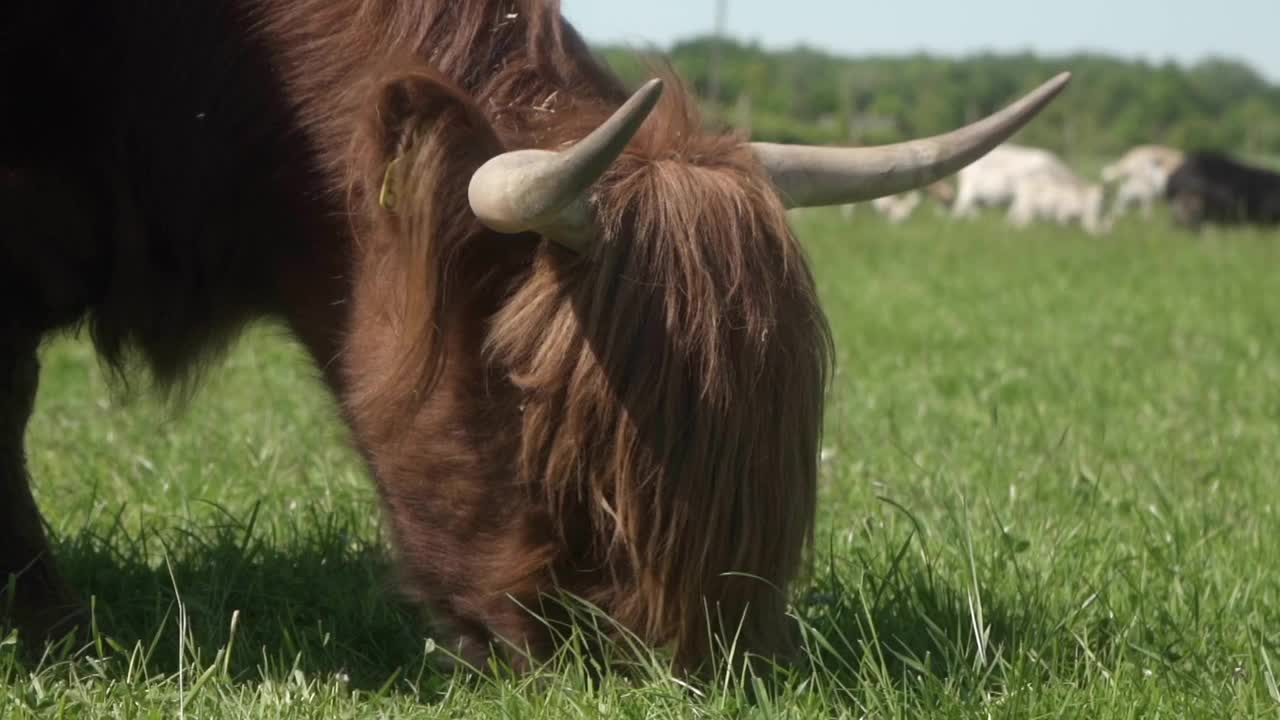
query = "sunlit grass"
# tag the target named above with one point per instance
(1049, 490)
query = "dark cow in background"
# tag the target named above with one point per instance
(1216, 188)
(571, 332)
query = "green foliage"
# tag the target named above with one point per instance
(1112, 104)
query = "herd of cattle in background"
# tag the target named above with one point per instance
(1036, 185)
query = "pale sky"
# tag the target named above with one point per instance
(1182, 30)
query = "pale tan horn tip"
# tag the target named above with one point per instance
(1022, 111)
(648, 94)
(1054, 85)
(1059, 81)
(809, 176)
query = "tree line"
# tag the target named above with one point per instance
(806, 95)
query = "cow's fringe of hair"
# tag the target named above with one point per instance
(658, 378)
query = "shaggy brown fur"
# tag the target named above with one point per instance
(638, 427)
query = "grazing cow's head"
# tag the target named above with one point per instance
(584, 323)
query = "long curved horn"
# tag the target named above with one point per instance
(808, 176)
(544, 190)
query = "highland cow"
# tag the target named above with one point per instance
(570, 330)
(1140, 176)
(1216, 188)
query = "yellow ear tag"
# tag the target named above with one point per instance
(387, 196)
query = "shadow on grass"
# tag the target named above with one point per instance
(316, 597)
(310, 596)
(901, 634)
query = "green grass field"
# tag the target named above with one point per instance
(1050, 488)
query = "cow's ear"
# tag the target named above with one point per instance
(421, 127)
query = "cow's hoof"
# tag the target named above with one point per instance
(48, 622)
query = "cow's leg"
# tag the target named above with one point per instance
(1147, 207)
(1021, 211)
(963, 206)
(36, 599)
(1117, 207)
(1188, 210)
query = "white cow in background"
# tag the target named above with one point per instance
(897, 208)
(1059, 197)
(1141, 175)
(993, 180)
